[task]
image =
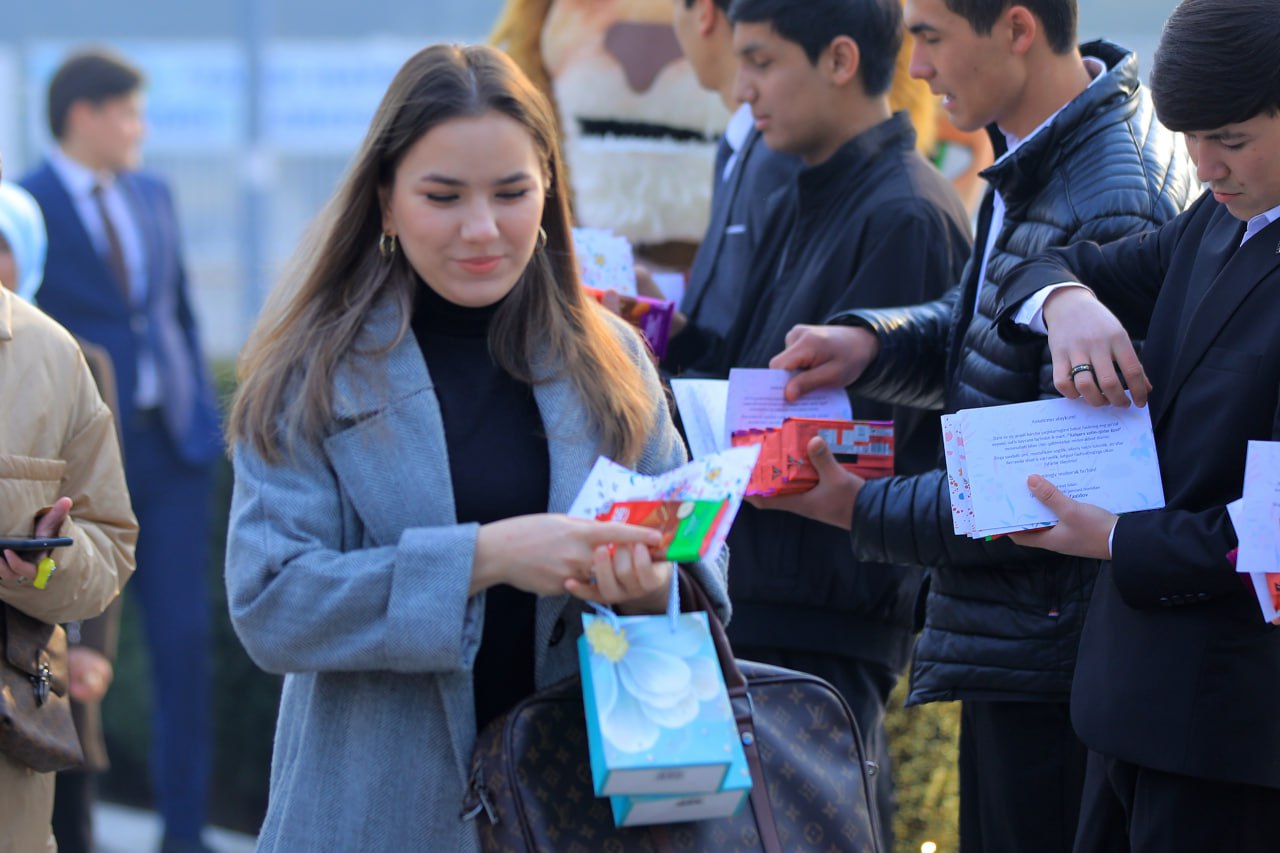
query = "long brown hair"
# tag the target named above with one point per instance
(316, 313)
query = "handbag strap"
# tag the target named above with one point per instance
(692, 592)
(740, 698)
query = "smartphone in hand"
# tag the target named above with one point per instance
(33, 543)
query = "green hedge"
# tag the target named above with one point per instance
(924, 748)
(923, 739)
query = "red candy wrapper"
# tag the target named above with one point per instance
(686, 525)
(863, 447)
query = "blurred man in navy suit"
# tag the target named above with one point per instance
(115, 278)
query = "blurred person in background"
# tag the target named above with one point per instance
(23, 242)
(91, 643)
(746, 172)
(60, 475)
(115, 278)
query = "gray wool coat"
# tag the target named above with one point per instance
(348, 572)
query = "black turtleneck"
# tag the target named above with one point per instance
(499, 467)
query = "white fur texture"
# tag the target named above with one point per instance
(648, 190)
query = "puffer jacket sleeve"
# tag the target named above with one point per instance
(911, 367)
(92, 571)
(1111, 276)
(907, 521)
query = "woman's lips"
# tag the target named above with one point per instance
(480, 265)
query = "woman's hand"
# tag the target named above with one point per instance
(541, 553)
(628, 577)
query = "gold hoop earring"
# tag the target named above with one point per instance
(387, 246)
(542, 240)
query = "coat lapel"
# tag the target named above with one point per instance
(1222, 278)
(721, 212)
(389, 402)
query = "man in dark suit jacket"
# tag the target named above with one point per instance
(115, 277)
(746, 173)
(1178, 679)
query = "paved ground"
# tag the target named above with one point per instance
(119, 829)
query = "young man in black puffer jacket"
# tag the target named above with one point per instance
(1083, 158)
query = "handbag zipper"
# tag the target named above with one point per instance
(477, 800)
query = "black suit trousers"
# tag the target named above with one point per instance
(1128, 808)
(1021, 772)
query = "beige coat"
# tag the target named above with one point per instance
(56, 438)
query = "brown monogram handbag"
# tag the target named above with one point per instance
(531, 786)
(36, 729)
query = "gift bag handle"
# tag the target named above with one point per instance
(693, 597)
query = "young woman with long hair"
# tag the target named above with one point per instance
(422, 398)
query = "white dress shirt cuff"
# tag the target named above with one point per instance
(1111, 538)
(1031, 313)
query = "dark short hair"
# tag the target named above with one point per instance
(875, 25)
(1215, 64)
(1057, 17)
(722, 4)
(95, 76)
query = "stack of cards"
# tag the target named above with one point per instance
(862, 447)
(1104, 456)
(1256, 518)
(751, 410)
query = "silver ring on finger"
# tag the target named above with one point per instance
(1085, 367)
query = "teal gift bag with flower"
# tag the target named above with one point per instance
(659, 721)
